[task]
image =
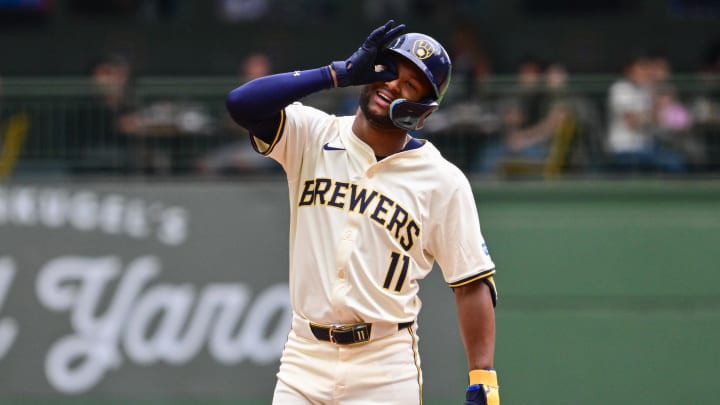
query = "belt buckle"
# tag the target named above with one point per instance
(360, 332)
(332, 329)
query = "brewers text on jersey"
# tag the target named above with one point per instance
(354, 198)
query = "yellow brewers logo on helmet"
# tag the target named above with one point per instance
(423, 49)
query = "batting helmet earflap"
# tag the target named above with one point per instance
(431, 58)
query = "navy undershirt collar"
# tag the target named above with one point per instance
(412, 144)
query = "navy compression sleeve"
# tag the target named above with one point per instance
(257, 105)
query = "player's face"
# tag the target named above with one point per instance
(375, 99)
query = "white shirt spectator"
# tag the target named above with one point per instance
(627, 98)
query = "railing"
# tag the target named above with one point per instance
(179, 127)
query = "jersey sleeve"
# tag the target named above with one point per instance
(299, 126)
(457, 242)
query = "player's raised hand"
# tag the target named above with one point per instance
(483, 388)
(359, 68)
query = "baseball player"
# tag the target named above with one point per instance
(372, 208)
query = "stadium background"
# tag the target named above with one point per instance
(608, 280)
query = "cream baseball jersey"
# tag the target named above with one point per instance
(364, 232)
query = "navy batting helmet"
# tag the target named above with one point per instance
(431, 58)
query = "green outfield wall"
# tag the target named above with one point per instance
(609, 293)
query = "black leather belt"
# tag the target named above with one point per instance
(347, 334)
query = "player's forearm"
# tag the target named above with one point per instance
(476, 317)
(263, 98)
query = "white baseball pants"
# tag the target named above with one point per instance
(383, 371)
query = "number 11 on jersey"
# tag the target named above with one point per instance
(394, 261)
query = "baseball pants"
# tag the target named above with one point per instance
(381, 371)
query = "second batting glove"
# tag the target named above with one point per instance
(359, 68)
(483, 388)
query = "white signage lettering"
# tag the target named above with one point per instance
(91, 211)
(8, 326)
(112, 308)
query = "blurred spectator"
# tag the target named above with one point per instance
(631, 144)
(111, 76)
(15, 123)
(670, 113)
(659, 70)
(96, 132)
(255, 65)
(672, 119)
(471, 62)
(116, 134)
(238, 156)
(706, 106)
(530, 117)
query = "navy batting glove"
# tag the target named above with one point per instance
(359, 68)
(475, 395)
